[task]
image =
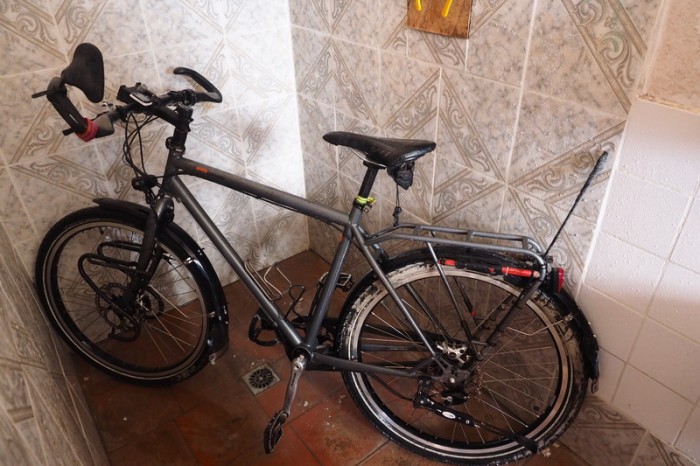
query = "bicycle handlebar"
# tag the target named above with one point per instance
(84, 72)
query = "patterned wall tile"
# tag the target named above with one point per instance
(409, 97)
(322, 239)
(642, 15)
(284, 235)
(261, 65)
(52, 434)
(104, 25)
(480, 210)
(477, 120)
(457, 188)
(173, 22)
(498, 38)
(439, 49)
(559, 181)
(357, 21)
(315, 120)
(219, 131)
(311, 14)
(129, 69)
(253, 15)
(356, 73)
(482, 11)
(14, 217)
(75, 18)
(318, 175)
(549, 127)
(31, 39)
(614, 40)
(313, 65)
(561, 63)
(45, 201)
(268, 145)
(34, 129)
(393, 28)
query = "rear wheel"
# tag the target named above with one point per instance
(84, 267)
(523, 393)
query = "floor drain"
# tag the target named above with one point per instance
(260, 379)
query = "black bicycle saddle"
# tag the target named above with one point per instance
(383, 151)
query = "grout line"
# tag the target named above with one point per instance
(516, 123)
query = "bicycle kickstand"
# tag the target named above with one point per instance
(273, 431)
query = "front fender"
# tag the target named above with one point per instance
(217, 337)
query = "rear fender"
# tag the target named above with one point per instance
(588, 341)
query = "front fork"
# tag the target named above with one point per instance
(139, 273)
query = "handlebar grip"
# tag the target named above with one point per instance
(97, 128)
(57, 94)
(212, 94)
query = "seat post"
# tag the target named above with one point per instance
(368, 181)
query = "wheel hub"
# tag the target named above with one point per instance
(124, 326)
(456, 353)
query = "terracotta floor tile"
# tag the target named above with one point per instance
(224, 427)
(92, 380)
(212, 381)
(392, 454)
(337, 433)
(127, 411)
(161, 446)
(289, 451)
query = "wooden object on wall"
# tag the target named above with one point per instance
(445, 17)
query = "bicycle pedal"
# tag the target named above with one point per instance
(273, 431)
(345, 282)
(258, 324)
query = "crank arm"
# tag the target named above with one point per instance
(273, 431)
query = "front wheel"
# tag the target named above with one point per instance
(84, 267)
(522, 393)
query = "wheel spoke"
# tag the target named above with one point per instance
(162, 333)
(512, 390)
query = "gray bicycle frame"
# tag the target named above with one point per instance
(174, 186)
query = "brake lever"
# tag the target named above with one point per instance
(212, 94)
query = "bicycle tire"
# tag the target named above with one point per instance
(163, 339)
(530, 387)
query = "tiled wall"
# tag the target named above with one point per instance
(640, 290)
(519, 111)
(244, 47)
(43, 415)
(641, 286)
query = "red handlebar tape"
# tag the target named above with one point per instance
(90, 132)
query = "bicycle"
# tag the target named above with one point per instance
(466, 349)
